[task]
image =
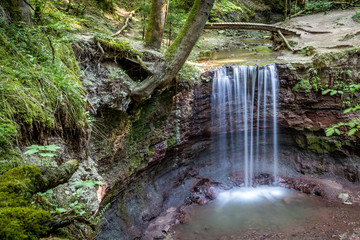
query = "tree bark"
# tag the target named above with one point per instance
(177, 53)
(17, 10)
(156, 23)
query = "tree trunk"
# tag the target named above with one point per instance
(177, 53)
(17, 10)
(156, 23)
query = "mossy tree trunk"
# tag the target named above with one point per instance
(17, 10)
(156, 24)
(177, 53)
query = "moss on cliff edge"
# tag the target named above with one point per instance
(37, 95)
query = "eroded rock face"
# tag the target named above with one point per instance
(182, 170)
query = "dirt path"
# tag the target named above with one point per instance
(327, 32)
(330, 32)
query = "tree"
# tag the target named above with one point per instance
(155, 28)
(177, 53)
(18, 10)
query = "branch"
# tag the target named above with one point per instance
(125, 26)
(142, 64)
(285, 41)
(29, 5)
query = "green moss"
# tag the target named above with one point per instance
(31, 86)
(18, 219)
(171, 141)
(263, 49)
(117, 44)
(19, 223)
(301, 141)
(320, 145)
(18, 185)
(206, 53)
(65, 52)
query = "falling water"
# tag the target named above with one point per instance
(244, 117)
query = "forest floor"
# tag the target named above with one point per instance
(331, 31)
(325, 32)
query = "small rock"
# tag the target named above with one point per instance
(344, 196)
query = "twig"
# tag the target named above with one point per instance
(101, 49)
(142, 64)
(285, 41)
(52, 49)
(298, 13)
(125, 26)
(91, 106)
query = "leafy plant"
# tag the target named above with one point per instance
(352, 126)
(46, 153)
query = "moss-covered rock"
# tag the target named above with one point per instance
(19, 223)
(19, 219)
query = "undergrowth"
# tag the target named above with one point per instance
(35, 93)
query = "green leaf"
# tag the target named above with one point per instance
(337, 131)
(352, 131)
(33, 147)
(61, 210)
(347, 110)
(50, 191)
(51, 148)
(326, 91)
(31, 151)
(329, 132)
(47, 154)
(352, 124)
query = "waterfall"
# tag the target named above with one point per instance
(244, 119)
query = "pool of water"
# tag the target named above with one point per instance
(259, 55)
(235, 213)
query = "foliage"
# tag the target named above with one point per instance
(46, 153)
(346, 85)
(356, 17)
(176, 18)
(318, 6)
(352, 126)
(308, 51)
(228, 9)
(36, 92)
(311, 82)
(69, 204)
